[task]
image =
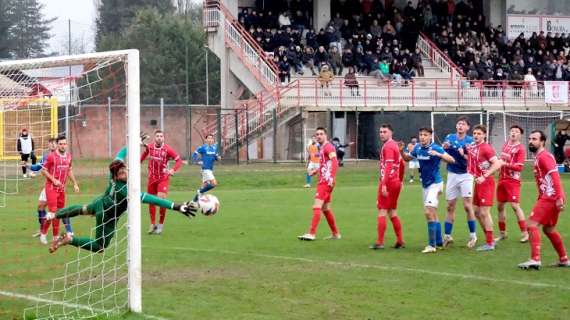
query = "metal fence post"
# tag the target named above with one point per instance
(236, 122)
(274, 114)
(219, 129)
(162, 114)
(109, 126)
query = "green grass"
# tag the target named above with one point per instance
(246, 263)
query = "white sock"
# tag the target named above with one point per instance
(473, 235)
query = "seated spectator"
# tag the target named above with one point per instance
(284, 70)
(308, 59)
(348, 58)
(417, 62)
(336, 61)
(385, 69)
(351, 82)
(321, 57)
(294, 56)
(325, 78)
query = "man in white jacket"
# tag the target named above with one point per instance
(25, 146)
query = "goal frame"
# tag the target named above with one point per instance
(131, 60)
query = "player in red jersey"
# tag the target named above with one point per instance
(550, 203)
(327, 179)
(159, 153)
(56, 168)
(389, 188)
(509, 187)
(482, 164)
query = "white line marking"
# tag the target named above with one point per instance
(66, 304)
(379, 267)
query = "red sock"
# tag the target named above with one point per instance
(162, 215)
(315, 221)
(45, 226)
(558, 245)
(55, 224)
(522, 225)
(152, 211)
(381, 228)
(489, 237)
(502, 226)
(331, 221)
(397, 225)
(534, 239)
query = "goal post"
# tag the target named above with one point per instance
(93, 283)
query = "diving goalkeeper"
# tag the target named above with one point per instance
(108, 208)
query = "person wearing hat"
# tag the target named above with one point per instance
(25, 147)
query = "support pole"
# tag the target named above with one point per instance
(274, 114)
(162, 114)
(110, 128)
(246, 137)
(236, 122)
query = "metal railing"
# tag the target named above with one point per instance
(438, 58)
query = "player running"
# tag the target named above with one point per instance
(325, 187)
(414, 164)
(159, 154)
(108, 208)
(550, 203)
(313, 151)
(389, 188)
(430, 155)
(509, 187)
(56, 168)
(206, 155)
(459, 181)
(483, 163)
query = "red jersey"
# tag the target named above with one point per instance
(58, 166)
(513, 155)
(328, 166)
(158, 161)
(402, 169)
(480, 157)
(389, 162)
(547, 177)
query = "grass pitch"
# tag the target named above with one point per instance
(246, 263)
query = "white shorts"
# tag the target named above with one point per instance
(458, 185)
(312, 167)
(414, 164)
(207, 175)
(43, 197)
(431, 194)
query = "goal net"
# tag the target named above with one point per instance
(45, 96)
(499, 122)
(443, 123)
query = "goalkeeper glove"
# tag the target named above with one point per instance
(144, 137)
(188, 208)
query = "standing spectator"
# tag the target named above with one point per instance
(530, 82)
(308, 59)
(417, 62)
(348, 58)
(284, 20)
(325, 78)
(336, 61)
(559, 143)
(284, 71)
(340, 149)
(351, 82)
(25, 147)
(321, 57)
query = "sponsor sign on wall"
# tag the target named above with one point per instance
(529, 24)
(556, 92)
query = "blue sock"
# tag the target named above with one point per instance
(41, 216)
(308, 179)
(448, 227)
(206, 188)
(471, 224)
(438, 238)
(67, 224)
(431, 233)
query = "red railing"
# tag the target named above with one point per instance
(438, 58)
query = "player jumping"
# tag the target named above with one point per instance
(325, 187)
(108, 208)
(206, 155)
(550, 203)
(459, 182)
(483, 163)
(389, 188)
(509, 186)
(56, 168)
(430, 155)
(159, 154)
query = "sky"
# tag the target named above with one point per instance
(82, 14)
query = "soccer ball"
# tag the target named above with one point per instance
(209, 204)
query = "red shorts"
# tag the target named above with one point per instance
(545, 212)
(484, 193)
(324, 192)
(55, 199)
(509, 191)
(157, 186)
(391, 201)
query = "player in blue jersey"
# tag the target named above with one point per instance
(429, 155)
(206, 155)
(459, 181)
